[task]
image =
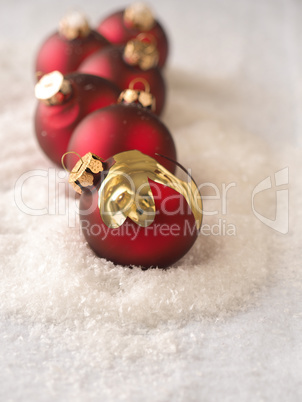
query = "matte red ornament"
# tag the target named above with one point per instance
(119, 128)
(114, 186)
(168, 239)
(63, 103)
(66, 49)
(126, 24)
(110, 64)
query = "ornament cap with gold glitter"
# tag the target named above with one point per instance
(138, 15)
(84, 174)
(74, 25)
(53, 89)
(142, 51)
(142, 98)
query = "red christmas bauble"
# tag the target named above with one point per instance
(124, 25)
(134, 212)
(119, 128)
(161, 244)
(66, 49)
(63, 103)
(110, 64)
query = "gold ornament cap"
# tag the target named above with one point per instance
(85, 172)
(74, 25)
(53, 89)
(142, 51)
(139, 97)
(138, 15)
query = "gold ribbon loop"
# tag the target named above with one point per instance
(126, 192)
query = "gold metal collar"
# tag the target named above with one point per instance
(142, 51)
(139, 16)
(82, 173)
(74, 25)
(53, 88)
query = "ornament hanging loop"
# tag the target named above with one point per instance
(63, 163)
(142, 81)
(141, 97)
(145, 37)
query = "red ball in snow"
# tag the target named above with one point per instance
(161, 244)
(135, 212)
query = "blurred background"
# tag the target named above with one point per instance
(244, 55)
